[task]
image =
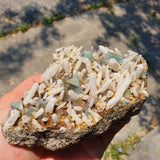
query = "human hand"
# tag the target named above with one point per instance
(89, 149)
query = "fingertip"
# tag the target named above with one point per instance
(35, 78)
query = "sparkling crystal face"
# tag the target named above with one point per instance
(78, 88)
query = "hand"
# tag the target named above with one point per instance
(85, 150)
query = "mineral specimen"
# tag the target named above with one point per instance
(81, 94)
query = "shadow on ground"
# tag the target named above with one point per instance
(35, 12)
(14, 56)
(12, 59)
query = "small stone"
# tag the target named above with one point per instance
(39, 113)
(127, 93)
(14, 115)
(88, 54)
(117, 57)
(114, 64)
(41, 102)
(25, 119)
(74, 84)
(44, 119)
(29, 111)
(17, 105)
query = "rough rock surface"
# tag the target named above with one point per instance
(55, 140)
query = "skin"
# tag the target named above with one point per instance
(91, 149)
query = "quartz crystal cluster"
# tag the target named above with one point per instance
(79, 93)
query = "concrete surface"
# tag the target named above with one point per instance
(148, 148)
(25, 54)
(17, 12)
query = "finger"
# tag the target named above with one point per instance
(8, 151)
(75, 152)
(94, 147)
(26, 84)
(17, 93)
